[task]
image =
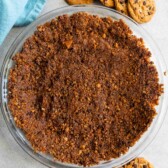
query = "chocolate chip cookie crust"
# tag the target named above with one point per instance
(86, 85)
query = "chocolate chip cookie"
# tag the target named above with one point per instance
(76, 2)
(121, 5)
(108, 3)
(138, 163)
(141, 10)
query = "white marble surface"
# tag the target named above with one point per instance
(11, 154)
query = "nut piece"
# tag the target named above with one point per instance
(98, 85)
(68, 43)
(108, 3)
(76, 2)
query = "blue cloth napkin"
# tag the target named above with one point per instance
(17, 13)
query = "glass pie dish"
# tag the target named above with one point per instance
(157, 58)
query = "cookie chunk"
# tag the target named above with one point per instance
(76, 2)
(141, 10)
(121, 5)
(108, 3)
(138, 163)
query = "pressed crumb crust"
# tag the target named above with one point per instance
(83, 89)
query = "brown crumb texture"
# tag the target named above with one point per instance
(83, 89)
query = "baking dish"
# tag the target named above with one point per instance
(157, 58)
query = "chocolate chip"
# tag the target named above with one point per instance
(144, 2)
(144, 166)
(122, 1)
(135, 165)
